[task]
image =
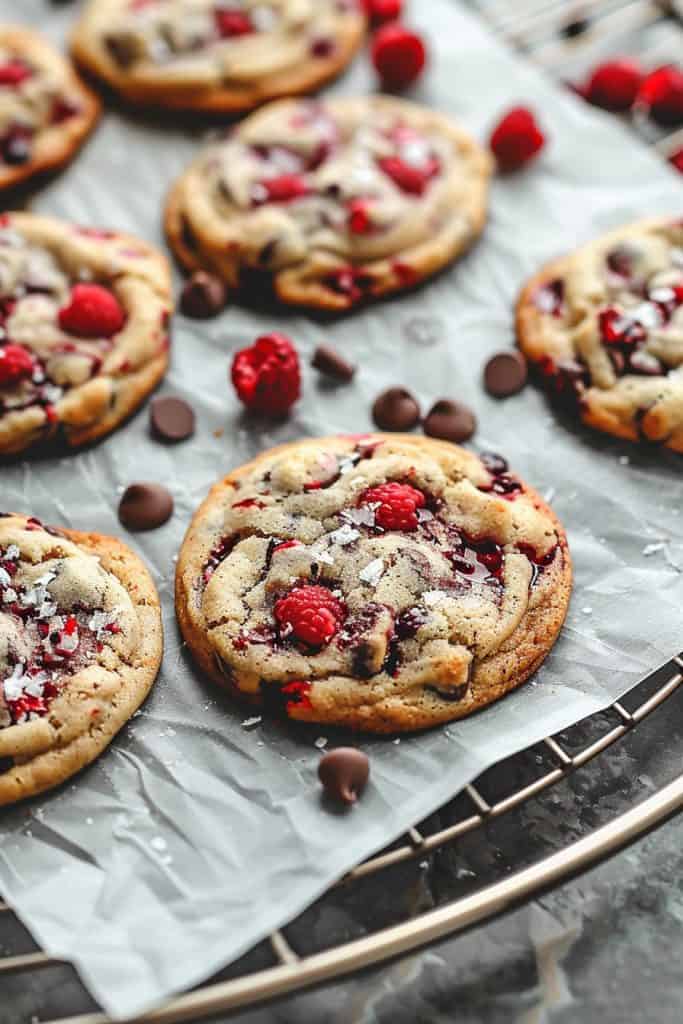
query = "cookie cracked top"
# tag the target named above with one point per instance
(45, 109)
(217, 56)
(338, 201)
(80, 645)
(605, 327)
(84, 321)
(385, 582)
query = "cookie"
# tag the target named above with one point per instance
(604, 329)
(84, 321)
(387, 583)
(334, 202)
(46, 112)
(80, 647)
(200, 55)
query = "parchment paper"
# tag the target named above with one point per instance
(193, 837)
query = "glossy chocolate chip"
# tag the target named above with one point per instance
(328, 361)
(505, 374)
(396, 410)
(172, 419)
(344, 773)
(450, 421)
(145, 507)
(204, 296)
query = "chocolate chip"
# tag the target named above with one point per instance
(204, 296)
(505, 374)
(396, 410)
(344, 773)
(450, 421)
(329, 362)
(16, 146)
(172, 419)
(145, 507)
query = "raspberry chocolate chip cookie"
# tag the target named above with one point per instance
(46, 111)
(604, 327)
(80, 647)
(336, 202)
(84, 318)
(217, 56)
(386, 583)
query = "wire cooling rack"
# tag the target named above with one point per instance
(566, 38)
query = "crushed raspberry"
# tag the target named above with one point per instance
(231, 23)
(267, 376)
(63, 110)
(93, 312)
(616, 329)
(16, 364)
(399, 55)
(349, 281)
(516, 139)
(311, 614)
(381, 11)
(662, 94)
(297, 694)
(14, 73)
(284, 189)
(360, 221)
(410, 178)
(397, 505)
(676, 160)
(550, 298)
(614, 85)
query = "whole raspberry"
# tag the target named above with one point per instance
(662, 94)
(360, 219)
(398, 54)
(614, 85)
(14, 73)
(266, 376)
(310, 613)
(409, 178)
(516, 139)
(398, 505)
(381, 11)
(93, 312)
(15, 364)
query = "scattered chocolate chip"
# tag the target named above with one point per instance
(450, 421)
(204, 296)
(329, 362)
(576, 27)
(505, 374)
(396, 410)
(145, 507)
(172, 419)
(344, 773)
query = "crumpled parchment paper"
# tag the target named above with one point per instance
(193, 837)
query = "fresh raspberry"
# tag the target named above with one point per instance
(93, 312)
(381, 11)
(232, 23)
(398, 505)
(662, 94)
(408, 177)
(15, 364)
(614, 85)
(14, 73)
(516, 139)
(398, 54)
(267, 376)
(676, 160)
(284, 189)
(310, 613)
(360, 221)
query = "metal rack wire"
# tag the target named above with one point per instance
(561, 36)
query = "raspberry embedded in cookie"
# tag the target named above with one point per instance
(395, 506)
(231, 22)
(14, 72)
(16, 364)
(92, 312)
(311, 614)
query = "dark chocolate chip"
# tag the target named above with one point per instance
(172, 419)
(122, 48)
(576, 26)
(450, 421)
(344, 773)
(505, 374)
(145, 507)
(204, 296)
(329, 362)
(396, 410)
(16, 146)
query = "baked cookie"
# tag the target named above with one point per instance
(604, 326)
(387, 582)
(84, 320)
(217, 57)
(80, 647)
(46, 112)
(336, 202)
